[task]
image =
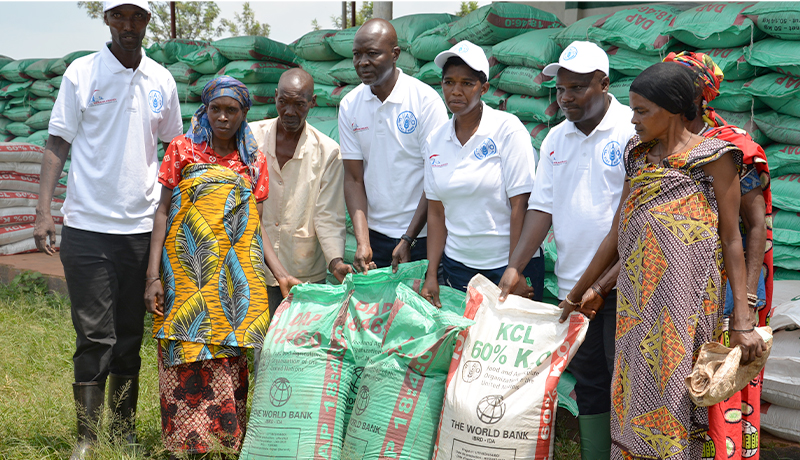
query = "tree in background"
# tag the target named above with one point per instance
(315, 25)
(363, 15)
(466, 8)
(193, 20)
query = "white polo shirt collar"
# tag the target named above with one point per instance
(114, 66)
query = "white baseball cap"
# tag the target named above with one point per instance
(580, 57)
(113, 4)
(470, 53)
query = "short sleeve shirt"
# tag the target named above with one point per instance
(474, 183)
(388, 137)
(114, 118)
(182, 152)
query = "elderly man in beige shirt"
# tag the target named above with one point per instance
(304, 215)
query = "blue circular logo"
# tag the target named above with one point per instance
(612, 153)
(406, 122)
(463, 49)
(155, 101)
(486, 149)
(569, 53)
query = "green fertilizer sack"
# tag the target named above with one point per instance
(786, 227)
(206, 60)
(495, 98)
(4, 122)
(342, 42)
(56, 81)
(538, 132)
(429, 44)
(733, 63)
(493, 23)
(254, 47)
(780, 92)
(532, 49)
(300, 392)
(786, 193)
(188, 110)
(39, 120)
(401, 391)
(40, 138)
(5, 60)
(181, 47)
(19, 129)
(314, 46)
(17, 89)
(577, 31)
(621, 89)
(255, 71)
(715, 25)
(156, 53)
(532, 108)
(777, 55)
(429, 73)
(550, 251)
(61, 64)
(641, 29)
(320, 71)
(345, 72)
(412, 26)
(783, 159)
(20, 113)
(630, 63)
(786, 256)
(15, 70)
(330, 128)
(734, 97)
(331, 96)
(525, 80)
(782, 274)
(407, 63)
(748, 122)
(182, 73)
(42, 69)
(184, 94)
(323, 112)
(262, 93)
(262, 112)
(784, 129)
(778, 19)
(196, 88)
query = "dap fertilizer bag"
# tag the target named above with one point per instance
(733, 63)
(501, 396)
(345, 72)
(408, 63)
(495, 98)
(538, 132)
(401, 391)
(331, 96)
(206, 60)
(16, 89)
(780, 92)
(778, 19)
(42, 88)
(61, 64)
(493, 23)
(532, 49)
(14, 71)
(577, 31)
(531, 108)
(182, 73)
(39, 120)
(629, 63)
(320, 71)
(19, 113)
(525, 80)
(778, 127)
(786, 192)
(342, 42)
(783, 159)
(734, 97)
(181, 47)
(749, 123)
(262, 112)
(43, 103)
(196, 88)
(786, 256)
(412, 26)
(255, 71)
(716, 25)
(777, 55)
(621, 89)
(263, 93)
(184, 94)
(429, 44)
(323, 112)
(314, 46)
(786, 230)
(254, 47)
(429, 73)
(641, 29)
(298, 411)
(42, 69)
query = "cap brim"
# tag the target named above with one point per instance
(442, 58)
(551, 70)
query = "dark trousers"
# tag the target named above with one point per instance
(593, 364)
(382, 247)
(106, 279)
(457, 275)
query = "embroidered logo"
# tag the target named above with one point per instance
(97, 99)
(612, 153)
(569, 53)
(155, 101)
(486, 149)
(406, 122)
(357, 128)
(434, 159)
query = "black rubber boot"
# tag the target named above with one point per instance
(123, 395)
(89, 406)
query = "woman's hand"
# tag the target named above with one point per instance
(591, 303)
(508, 282)
(154, 297)
(751, 343)
(430, 291)
(286, 283)
(339, 269)
(522, 289)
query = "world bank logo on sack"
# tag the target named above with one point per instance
(280, 392)
(406, 122)
(155, 101)
(486, 149)
(612, 153)
(569, 53)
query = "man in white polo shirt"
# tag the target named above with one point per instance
(113, 108)
(577, 189)
(383, 124)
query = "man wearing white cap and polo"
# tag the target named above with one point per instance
(577, 190)
(113, 108)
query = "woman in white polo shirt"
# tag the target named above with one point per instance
(478, 176)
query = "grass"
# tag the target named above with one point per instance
(37, 415)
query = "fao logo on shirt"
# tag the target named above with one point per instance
(486, 149)
(406, 122)
(612, 153)
(155, 101)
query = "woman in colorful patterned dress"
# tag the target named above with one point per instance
(677, 222)
(206, 280)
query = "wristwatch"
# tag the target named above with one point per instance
(411, 241)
